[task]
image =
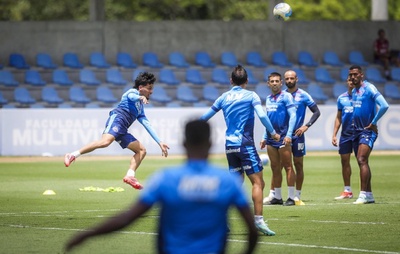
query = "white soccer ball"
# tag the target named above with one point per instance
(264, 159)
(282, 11)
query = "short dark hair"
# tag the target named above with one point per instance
(144, 78)
(358, 67)
(239, 75)
(197, 133)
(274, 74)
(380, 31)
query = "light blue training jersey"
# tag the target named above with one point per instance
(131, 108)
(344, 105)
(194, 199)
(277, 106)
(364, 104)
(302, 100)
(238, 105)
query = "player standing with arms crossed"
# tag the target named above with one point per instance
(238, 106)
(344, 118)
(366, 100)
(129, 109)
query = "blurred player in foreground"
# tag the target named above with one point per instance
(238, 106)
(129, 109)
(194, 202)
(344, 118)
(366, 99)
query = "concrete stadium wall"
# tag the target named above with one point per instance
(188, 37)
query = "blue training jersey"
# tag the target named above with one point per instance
(130, 106)
(194, 199)
(302, 100)
(238, 105)
(345, 106)
(277, 110)
(364, 104)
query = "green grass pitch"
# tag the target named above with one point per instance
(34, 223)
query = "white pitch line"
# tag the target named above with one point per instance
(67, 214)
(320, 247)
(230, 240)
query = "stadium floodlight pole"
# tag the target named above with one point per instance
(379, 10)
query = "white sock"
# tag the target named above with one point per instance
(291, 192)
(347, 188)
(298, 194)
(76, 154)
(363, 193)
(278, 193)
(131, 172)
(272, 193)
(369, 194)
(258, 219)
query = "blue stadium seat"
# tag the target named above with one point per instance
(229, 59)
(220, 76)
(331, 58)
(3, 100)
(372, 74)
(344, 74)
(71, 60)
(114, 77)
(37, 106)
(279, 58)
(78, 95)
(93, 105)
(252, 80)
(322, 75)
(210, 93)
(60, 77)
(9, 106)
(177, 59)
(50, 95)
(45, 61)
(87, 77)
(305, 58)
(268, 71)
(151, 59)
(254, 58)
(301, 76)
(34, 78)
(395, 73)
(98, 60)
(194, 76)
(357, 58)
(203, 59)
(23, 96)
(64, 105)
(316, 92)
(135, 73)
(186, 94)
(105, 95)
(168, 77)
(200, 104)
(391, 91)
(17, 61)
(125, 60)
(263, 91)
(160, 95)
(7, 79)
(338, 89)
